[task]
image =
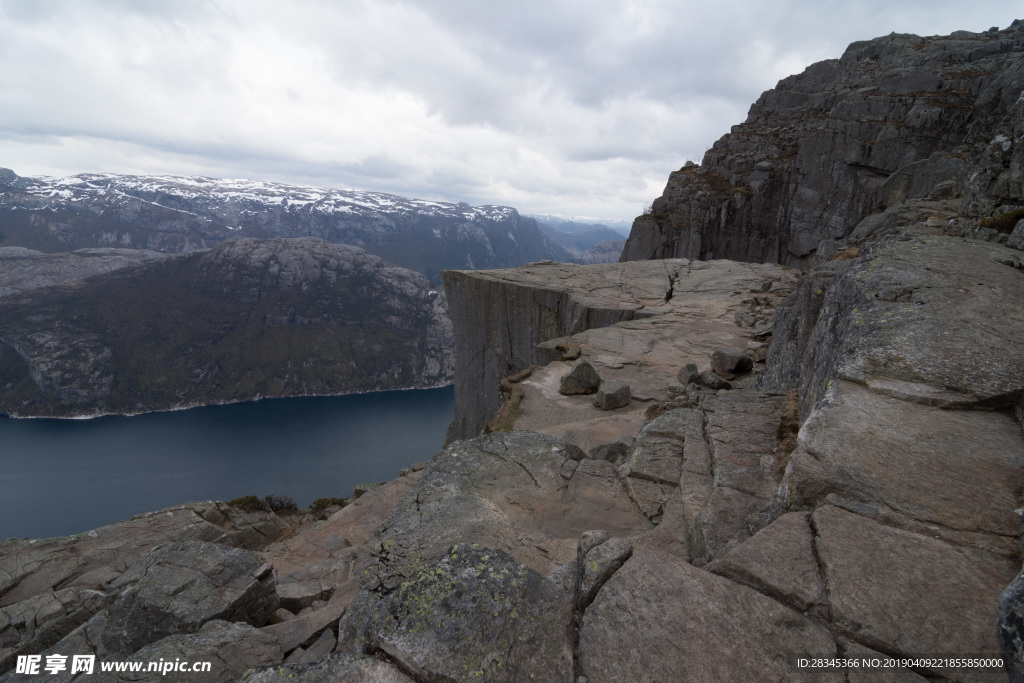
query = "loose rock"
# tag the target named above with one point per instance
(612, 394)
(582, 378)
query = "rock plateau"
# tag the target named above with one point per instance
(848, 492)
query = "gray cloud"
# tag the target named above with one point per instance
(570, 107)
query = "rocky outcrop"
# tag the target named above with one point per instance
(894, 118)
(180, 214)
(249, 319)
(49, 587)
(178, 587)
(635, 321)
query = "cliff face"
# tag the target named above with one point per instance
(249, 319)
(501, 316)
(890, 120)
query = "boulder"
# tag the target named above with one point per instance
(177, 587)
(958, 469)
(730, 361)
(688, 374)
(582, 378)
(612, 394)
(505, 490)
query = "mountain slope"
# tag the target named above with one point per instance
(249, 319)
(180, 214)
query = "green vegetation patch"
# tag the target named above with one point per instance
(249, 504)
(324, 503)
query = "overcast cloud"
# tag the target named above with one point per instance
(578, 107)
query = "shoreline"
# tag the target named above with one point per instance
(214, 403)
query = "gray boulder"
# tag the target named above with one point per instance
(581, 379)
(730, 361)
(178, 587)
(713, 381)
(689, 374)
(612, 394)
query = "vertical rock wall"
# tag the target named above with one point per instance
(500, 316)
(842, 140)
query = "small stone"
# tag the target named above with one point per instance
(713, 381)
(730, 360)
(693, 388)
(582, 378)
(675, 389)
(689, 374)
(613, 394)
(745, 319)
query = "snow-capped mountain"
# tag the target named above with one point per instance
(178, 214)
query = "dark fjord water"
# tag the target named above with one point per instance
(60, 477)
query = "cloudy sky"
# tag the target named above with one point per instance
(575, 107)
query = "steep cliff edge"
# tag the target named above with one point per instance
(249, 319)
(891, 119)
(500, 316)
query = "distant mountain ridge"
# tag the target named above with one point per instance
(175, 214)
(580, 223)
